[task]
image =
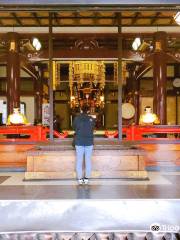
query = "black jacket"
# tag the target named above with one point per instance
(83, 126)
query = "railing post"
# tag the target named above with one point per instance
(43, 134)
(132, 132)
(137, 133)
(35, 133)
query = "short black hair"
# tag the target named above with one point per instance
(85, 108)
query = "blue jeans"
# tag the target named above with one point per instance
(80, 152)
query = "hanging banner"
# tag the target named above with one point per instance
(46, 114)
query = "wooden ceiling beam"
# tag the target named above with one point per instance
(56, 18)
(135, 18)
(99, 5)
(91, 25)
(16, 18)
(115, 21)
(92, 53)
(171, 21)
(156, 17)
(77, 17)
(34, 14)
(98, 36)
(95, 16)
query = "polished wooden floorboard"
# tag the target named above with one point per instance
(160, 185)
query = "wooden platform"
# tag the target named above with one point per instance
(110, 160)
(161, 154)
(165, 156)
(14, 155)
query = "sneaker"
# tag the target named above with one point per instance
(86, 180)
(80, 181)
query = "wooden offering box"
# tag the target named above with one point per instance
(109, 160)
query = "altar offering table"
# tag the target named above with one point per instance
(110, 160)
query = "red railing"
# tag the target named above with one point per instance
(146, 133)
(130, 133)
(27, 133)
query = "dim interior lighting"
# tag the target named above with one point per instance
(36, 44)
(136, 43)
(177, 18)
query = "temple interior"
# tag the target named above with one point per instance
(122, 60)
(85, 66)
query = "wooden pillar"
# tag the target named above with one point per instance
(129, 83)
(136, 89)
(119, 78)
(51, 76)
(13, 71)
(177, 75)
(133, 87)
(177, 70)
(159, 75)
(38, 88)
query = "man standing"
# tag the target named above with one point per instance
(83, 140)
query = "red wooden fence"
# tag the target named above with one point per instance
(130, 133)
(146, 133)
(27, 133)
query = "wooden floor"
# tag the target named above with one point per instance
(160, 185)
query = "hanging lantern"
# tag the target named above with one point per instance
(91, 71)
